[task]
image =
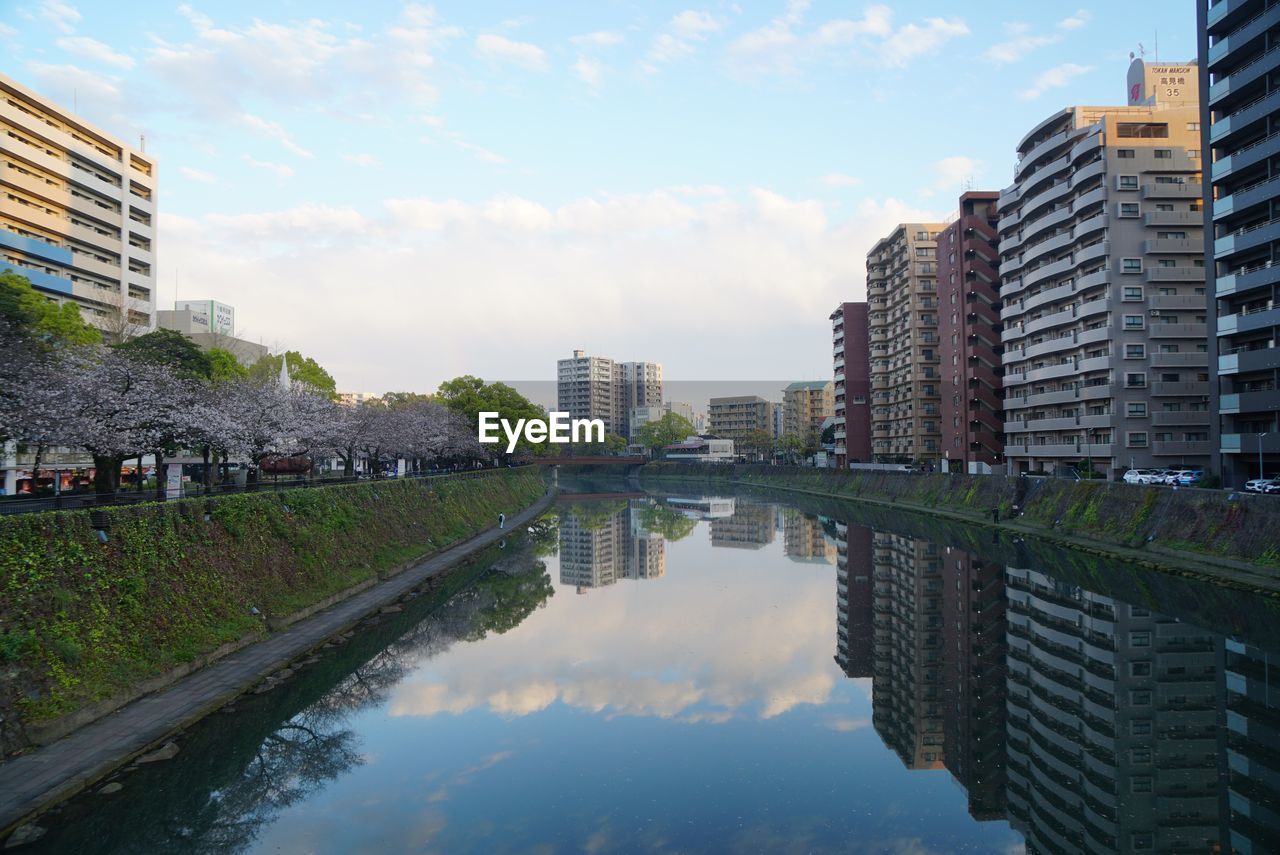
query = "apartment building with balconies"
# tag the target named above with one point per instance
(806, 405)
(77, 212)
(851, 401)
(969, 331)
(905, 360)
(1240, 126)
(596, 387)
(738, 416)
(1102, 287)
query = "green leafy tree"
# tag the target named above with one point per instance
(669, 523)
(829, 434)
(793, 446)
(172, 350)
(756, 442)
(224, 367)
(470, 396)
(403, 400)
(668, 430)
(302, 369)
(50, 324)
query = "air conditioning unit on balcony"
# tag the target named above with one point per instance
(1155, 313)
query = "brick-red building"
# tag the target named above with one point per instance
(969, 329)
(850, 336)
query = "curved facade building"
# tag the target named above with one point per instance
(1103, 291)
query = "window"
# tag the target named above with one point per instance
(1129, 209)
(1141, 785)
(1134, 322)
(1142, 130)
(1172, 235)
(1132, 293)
(1135, 351)
(1136, 409)
(1140, 669)
(1135, 380)
(1193, 126)
(1140, 756)
(1136, 439)
(1127, 182)
(1164, 153)
(1140, 639)
(1131, 265)
(1193, 153)
(1125, 153)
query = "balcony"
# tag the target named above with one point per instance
(1177, 331)
(42, 280)
(1249, 321)
(1063, 449)
(1245, 116)
(1181, 418)
(1243, 76)
(1242, 34)
(43, 250)
(1180, 448)
(1172, 190)
(1173, 274)
(1178, 301)
(1224, 9)
(1250, 443)
(1247, 279)
(1173, 246)
(1248, 361)
(1195, 359)
(1184, 219)
(1267, 401)
(1245, 157)
(1241, 199)
(1179, 389)
(1247, 238)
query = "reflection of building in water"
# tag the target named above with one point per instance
(1112, 731)
(804, 540)
(751, 527)
(1252, 678)
(853, 600)
(702, 507)
(974, 649)
(906, 697)
(599, 552)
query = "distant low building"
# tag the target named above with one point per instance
(701, 449)
(736, 417)
(350, 399)
(641, 416)
(210, 324)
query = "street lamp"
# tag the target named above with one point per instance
(1261, 437)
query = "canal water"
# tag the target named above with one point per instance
(742, 673)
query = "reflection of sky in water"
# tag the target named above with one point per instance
(697, 711)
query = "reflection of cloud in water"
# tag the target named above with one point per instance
(713, 640)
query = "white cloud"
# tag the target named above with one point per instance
(95, 50)
(279, 170)
(950, 174)
(63, 17)
(272, 130)
(523, 277)
(589, 71)
(197, 175)
(530, 56)
(784, 45)
(600, 38)
(1054, 78)
(681, 37)
(838, 179)
(361, 159)
(479, 151)
(1076, 20)
(1020, 43)
(6, 31)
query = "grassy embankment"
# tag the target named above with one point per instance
(83, 623)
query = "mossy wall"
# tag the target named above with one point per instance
(82, 621)
(1212, 523)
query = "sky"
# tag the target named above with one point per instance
(409, 192)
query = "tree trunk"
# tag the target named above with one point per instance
(106, 474)
(140, 480)
(162, 483)
(207, 477)
(35, 469)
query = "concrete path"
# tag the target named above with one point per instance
(36, 781)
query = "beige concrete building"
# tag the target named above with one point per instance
(805, 406)
(906, 380)
(210, 324)
(736, 417)
(77, 210)
(1103, 285)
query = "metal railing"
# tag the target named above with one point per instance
(80, 499)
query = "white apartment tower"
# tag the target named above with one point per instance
(596, 387)
(1103, 285)
(77, 212)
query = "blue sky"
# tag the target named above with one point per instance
(411, 191)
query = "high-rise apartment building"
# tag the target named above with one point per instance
(969, 332)
(806, 405)
(906, 380)
(854, 614)
(596, 387)
(1239, 125)
(852, 384)
(738, 416)
(76, 216)
(1102, 283)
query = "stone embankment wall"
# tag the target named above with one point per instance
(86, 626)
(1208, 524)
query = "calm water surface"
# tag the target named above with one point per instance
(735, 674)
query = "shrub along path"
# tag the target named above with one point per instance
(35, 781)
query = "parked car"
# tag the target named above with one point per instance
(1186, 477)
(1139, 476)
(1164, 476)
(1272, 486)
(1261, 485)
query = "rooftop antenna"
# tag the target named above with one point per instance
(1157, 46)
(1142, 52)
(142, 143)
